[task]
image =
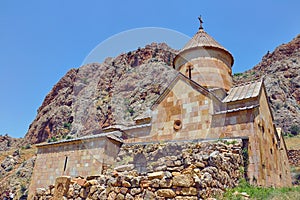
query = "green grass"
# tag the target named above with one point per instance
(259, 193)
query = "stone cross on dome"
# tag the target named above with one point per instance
(201, 22)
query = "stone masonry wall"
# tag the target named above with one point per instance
(185, 170)
(189, 107)
(204, 74)
(71, 158)
(266, 143)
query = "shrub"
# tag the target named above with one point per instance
(27, 146)
(52, 139)
(245, 75)
(131, 111)
(297, 179)
(288, 134)
(23, 188)
(67, 126)
(69, 137)
(295, 130)
(277, 106)
(230, 142)
(237, 74)
(8, 169)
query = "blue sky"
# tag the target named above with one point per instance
(41, 40)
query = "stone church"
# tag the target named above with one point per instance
(201, 103)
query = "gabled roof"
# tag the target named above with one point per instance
(237, 109)
(115, 135)
(245, 91)
(192, 83)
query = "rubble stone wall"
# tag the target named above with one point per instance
(182, 170)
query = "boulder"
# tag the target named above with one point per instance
(62, 185)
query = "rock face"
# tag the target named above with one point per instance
(95, 96)
(7, 142)
(281, 69)
(15, 172)
(54, 115)
(9, 162)
(183, 170)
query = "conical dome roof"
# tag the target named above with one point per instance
(205, 61)
(202, 39)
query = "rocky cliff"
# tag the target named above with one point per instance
(7, 142)
(95, 96)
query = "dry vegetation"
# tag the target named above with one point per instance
(293, 143)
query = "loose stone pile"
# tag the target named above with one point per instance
(159, 171)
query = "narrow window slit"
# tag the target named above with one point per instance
(190, 73)
(66, 161)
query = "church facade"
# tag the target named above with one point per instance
(201, 103)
